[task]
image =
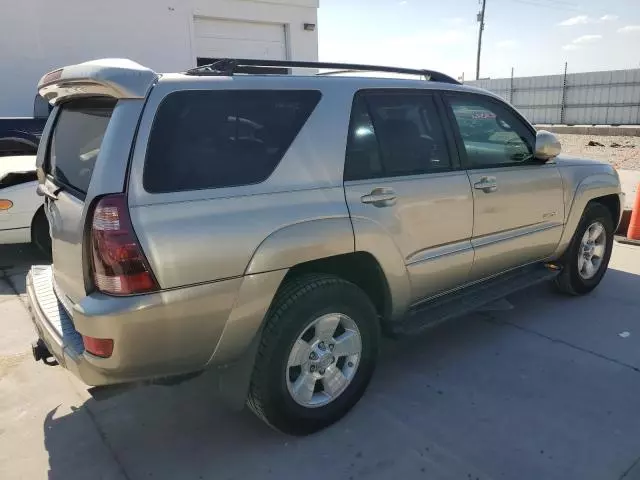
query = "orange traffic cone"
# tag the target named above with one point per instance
(634, 224)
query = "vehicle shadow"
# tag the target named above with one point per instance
(15, 262)
(442, 405)
(20, 257)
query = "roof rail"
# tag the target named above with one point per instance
(229, 66)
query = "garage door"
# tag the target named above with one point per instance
(229, 38)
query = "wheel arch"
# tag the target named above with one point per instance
(360, 268)
(302, 242)
(43, 243)
(27, 146)
(612, 203)
(603, 188)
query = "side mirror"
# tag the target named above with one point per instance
(547, 146)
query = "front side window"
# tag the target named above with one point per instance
(492, 135)
(395, 135)
(204, 139)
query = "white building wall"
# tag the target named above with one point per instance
(37, 36)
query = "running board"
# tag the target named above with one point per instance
(434, 312)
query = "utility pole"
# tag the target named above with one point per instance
(481, 21)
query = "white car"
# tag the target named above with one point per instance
(22, 217)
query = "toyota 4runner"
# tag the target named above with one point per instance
(277, 224)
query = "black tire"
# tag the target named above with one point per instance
(40, 233)
(569, 281)
(298, 303)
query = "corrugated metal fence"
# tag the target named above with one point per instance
(593, 98)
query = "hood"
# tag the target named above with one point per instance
(567, 161)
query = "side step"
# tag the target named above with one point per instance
(429, 314)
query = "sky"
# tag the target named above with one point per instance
(535, 37)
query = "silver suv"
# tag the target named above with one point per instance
(277, 224)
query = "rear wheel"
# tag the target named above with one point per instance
(318, 352)
(40, 232)
(585, 262)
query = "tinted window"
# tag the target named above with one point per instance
(394, 135)
(363, 155)
(491, 133)
(224, 138)
(76, 140)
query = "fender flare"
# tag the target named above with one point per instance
(283, 249)
(371, 237)
(590, 188)
(302, 242)
(322, 238)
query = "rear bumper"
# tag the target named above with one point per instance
(155, 335)
(56, 330)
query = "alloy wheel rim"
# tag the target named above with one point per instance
(323, 360)
(592, 250)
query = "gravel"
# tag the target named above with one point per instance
(626, 156)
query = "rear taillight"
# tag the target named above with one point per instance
(119, 266)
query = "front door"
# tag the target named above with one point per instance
(518, 200)
(401, 174)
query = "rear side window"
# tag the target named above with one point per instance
(76, 140)
(223, 138)
(363, 152)
(394, 135)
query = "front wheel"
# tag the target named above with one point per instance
(318, 352)
(585, 262)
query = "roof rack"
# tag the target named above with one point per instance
(229, 66)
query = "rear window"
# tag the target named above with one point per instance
(76, 140)
(224, 138)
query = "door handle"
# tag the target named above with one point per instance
(486, 184)
(380, 197)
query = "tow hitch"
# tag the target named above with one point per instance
(40, 351)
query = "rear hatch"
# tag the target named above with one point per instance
(83, 156)
(74, 147)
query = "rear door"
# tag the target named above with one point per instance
(74, 148)
(401, 173)
(518, 200)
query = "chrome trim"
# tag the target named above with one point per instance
(439, 251)
(511, 234)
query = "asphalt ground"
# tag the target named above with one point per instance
(541, 387)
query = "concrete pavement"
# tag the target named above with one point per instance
(546, 390)
(629, 180)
